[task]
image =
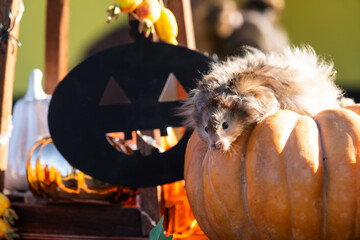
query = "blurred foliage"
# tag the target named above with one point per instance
(332, 27)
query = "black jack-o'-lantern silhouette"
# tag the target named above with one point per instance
(118, 90)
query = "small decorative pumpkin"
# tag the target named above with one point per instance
(50, 177)
(290, 177)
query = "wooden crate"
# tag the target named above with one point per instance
(77, 221)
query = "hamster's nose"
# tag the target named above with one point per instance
(217, 146)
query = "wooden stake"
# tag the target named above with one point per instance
(7, 73)
(56, 51)
(183, 15)
(149, 202)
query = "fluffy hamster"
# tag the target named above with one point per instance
(243, 91)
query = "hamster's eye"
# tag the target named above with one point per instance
(206, 130)
(225, 125)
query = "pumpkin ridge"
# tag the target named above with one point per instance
(342, 170)
(301, 155)
(233, 226)
(217, 197)
(269, 143)
(245, 202)
(287, 167)
(298, 118)
(208, 179)
(192, 182)
(356, 108)
(324, 173)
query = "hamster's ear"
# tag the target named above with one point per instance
(191, 108)
(233, 100)
(200, 100)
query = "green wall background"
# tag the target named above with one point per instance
(87, 26)
(331, 27)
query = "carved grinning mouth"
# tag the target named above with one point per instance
(152, 138)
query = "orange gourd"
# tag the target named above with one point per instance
(290, 177)
(51, 178)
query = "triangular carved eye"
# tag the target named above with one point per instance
(113, 94)
(173, 90)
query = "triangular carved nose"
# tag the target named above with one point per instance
(173, 90)
(113, 94)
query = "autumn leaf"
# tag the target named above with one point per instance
(157, 233)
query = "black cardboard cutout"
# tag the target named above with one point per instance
(80, 115)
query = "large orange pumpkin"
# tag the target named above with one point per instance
(290, 177)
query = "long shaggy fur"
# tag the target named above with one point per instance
(245, 90)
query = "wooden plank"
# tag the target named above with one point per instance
(34, 236)
(56, 49)
(77, 219)
(7, 73)
(149, 203)
(183, 14)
